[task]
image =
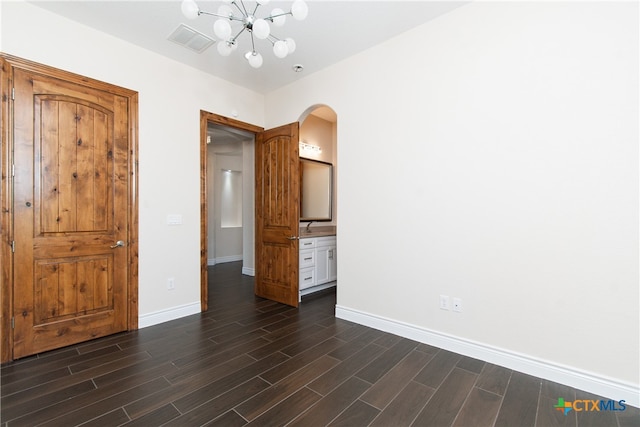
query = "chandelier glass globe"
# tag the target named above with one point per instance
(222, 29)
(255, 59)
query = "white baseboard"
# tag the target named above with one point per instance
(172, 313)
(246, 271)
(223, 259)
(607, 387)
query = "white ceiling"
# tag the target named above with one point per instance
(224, 135)
(333, 30)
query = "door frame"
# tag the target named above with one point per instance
(7, 62)
(206, 118)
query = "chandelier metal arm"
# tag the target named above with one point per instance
(270, 17)
(233, 40)
(230, 17)
(256, 9)
(243, 11)
(253, 44)
(235, 18)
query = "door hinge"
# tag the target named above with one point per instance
(13, 323)
(13, 169)
(13, 246)
(13, 93)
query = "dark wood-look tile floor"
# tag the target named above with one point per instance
(249, 361)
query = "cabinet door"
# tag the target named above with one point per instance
(322, 264)
(332, 264)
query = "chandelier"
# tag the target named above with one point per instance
(236, 11)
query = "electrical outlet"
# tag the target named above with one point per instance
(457, 305)
(171, 283)
(444, 302)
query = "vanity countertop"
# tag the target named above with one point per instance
(317, 231)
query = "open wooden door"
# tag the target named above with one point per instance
(72, 235)
(277, 214)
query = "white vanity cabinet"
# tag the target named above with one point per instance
(318, 264)
(326, 262)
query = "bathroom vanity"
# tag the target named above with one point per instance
(318, 260)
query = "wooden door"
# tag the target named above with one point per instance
(277, 214)
(70, 203)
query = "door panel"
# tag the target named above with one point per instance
(277, 214)
(70, 202)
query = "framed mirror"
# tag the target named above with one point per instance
(316, 190)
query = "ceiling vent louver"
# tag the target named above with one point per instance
(191, 39)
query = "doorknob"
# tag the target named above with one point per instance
(293, 237)
(118, 244)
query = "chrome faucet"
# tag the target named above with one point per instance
(309, 225)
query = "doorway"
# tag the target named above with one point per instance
(228, 129)
(319, 128)
(230, 198)
(274, 276)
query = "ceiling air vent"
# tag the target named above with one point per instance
(191, 39)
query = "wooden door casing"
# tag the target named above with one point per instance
(277, 214)
(74, 196)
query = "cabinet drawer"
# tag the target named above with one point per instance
(307, 278)
(307, 244)
(307, 259)
(326, 241)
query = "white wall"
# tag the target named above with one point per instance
(248, 208)
(171, 96)
(245, 248)
(225, 244)
(318, 132)
(493, 156)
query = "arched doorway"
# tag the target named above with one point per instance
(318, 128)
(318, 200)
